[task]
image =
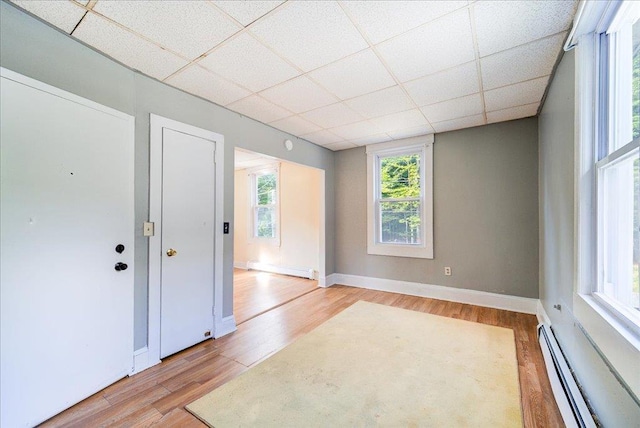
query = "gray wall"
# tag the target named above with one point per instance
(612, 404)
(485, 213)
(34, 49)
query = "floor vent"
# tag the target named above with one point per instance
(573, 408)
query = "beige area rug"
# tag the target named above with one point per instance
(375, 365)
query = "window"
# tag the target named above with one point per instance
(616, 167)
(265, 204)
(400, 205)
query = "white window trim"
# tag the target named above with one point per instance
(374, 151)
(253, 173)
(619, 344)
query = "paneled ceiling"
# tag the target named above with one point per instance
(340, 74)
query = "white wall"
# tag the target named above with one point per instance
(299, 220)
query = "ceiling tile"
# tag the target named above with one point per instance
(452, 109)
(381, 20)
(399, 121)
(189, 28)
(446, 85)
(411, 132)
(519, 94)
(503, 25)
(259, 109)
(356, 130)
(322, 137)
(295, 125)
(344, 77)
(247, 62)
(246, 12)
(299, 95)
(198, 81)
(441, 44)
(525, 62)
(332, 116)
(512, 113)
(127, 48)
(310, 34)
(380, 103)
(372, 139)
(340, 146)
(461, 123)
(63, 14)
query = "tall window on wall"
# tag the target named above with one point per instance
(400, 202)
(617, 163)
(265, 204)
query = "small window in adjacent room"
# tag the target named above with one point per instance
(400, 204)
(617, 170)
(265, 204)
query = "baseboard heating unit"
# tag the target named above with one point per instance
(573, 408)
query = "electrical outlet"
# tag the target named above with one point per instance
(447, 271)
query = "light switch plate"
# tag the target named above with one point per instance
(148, 229)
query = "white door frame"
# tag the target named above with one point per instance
(157, 123)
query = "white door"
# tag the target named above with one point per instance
(66, 203)
(188, 239)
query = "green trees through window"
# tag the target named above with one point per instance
(265, 209)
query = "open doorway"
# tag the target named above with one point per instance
(278, 232)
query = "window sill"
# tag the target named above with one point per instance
(400, 251)
(617, 343)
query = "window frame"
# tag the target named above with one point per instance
(254, 173)
(423, 146)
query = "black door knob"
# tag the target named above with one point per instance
(119, 248)
(121, 266)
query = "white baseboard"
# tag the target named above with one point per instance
(541, 314)
(225, 326)
(240, 265)
(141, 361)
(302, 272)
(327, 281)
(460, 295)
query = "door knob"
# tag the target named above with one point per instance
(171, 252)
(121, 266)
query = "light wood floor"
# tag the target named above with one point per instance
(256, 292)
(158, 395)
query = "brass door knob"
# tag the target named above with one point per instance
(171, 252)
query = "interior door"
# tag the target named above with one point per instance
(66, 203)
(188, 215)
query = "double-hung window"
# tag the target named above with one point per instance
(400, 205)
(265, 204)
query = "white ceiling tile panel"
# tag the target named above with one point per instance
(441, 44)
(446, 85)
(245, 11)
(128, 48)
(83, 2)
(260, 109)
(332, 116)
(453, 109)
(189, 28)
(512, 113)
(402, 120)
(411, 132)
(295, 125)
(502, 25)
(299, 95)
(247, 62)
(525, 62)
(63, 14)
(199, 81)
(519, 94)
(345, 77)
(380, 103)
(356, 130)
(461, 123)
(322, 137)
(340, 146)
(310, 34)
(372, 139)
(381, 20)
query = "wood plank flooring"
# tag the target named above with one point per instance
(255, 292)
(157, 396)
